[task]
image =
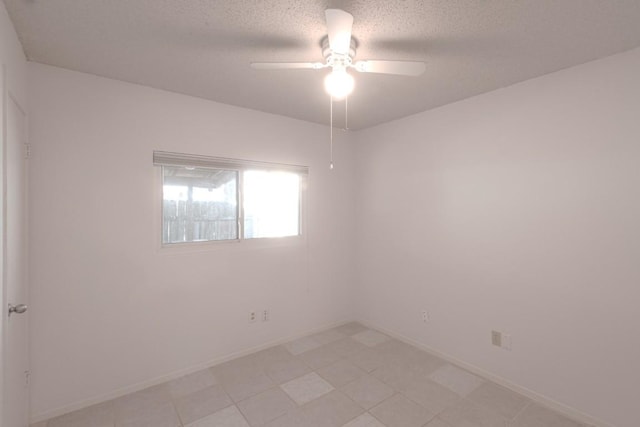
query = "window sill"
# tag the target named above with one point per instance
(235, 245)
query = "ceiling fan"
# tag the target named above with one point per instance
(339, 49)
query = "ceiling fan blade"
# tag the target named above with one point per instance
(403, 68)
(286, 65)
(339, 25)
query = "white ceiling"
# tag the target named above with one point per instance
(203, 47)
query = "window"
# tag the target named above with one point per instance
(211, 199)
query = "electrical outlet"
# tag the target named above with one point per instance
(496, 338)
(506, 341)
(265, 315)
(500, 339)
(252, 316)
(425, 316)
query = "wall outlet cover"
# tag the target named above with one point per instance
(496, 338)
(506, 341)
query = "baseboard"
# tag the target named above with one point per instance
(177, 374)
(538, 398)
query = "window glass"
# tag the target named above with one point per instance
(199, 204)
(271, 204)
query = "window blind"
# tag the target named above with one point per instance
(164, 158)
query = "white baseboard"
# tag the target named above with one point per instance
(177, 374)
(568, 411)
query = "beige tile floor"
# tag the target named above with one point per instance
(348, 376)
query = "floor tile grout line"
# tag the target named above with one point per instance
(175, 409)
(529, 403)
(376, 418)
(243, 415)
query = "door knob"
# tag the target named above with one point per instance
(18, 309)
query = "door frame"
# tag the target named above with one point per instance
(5, 96)
(3, 290)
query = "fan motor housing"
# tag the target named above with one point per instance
(328, 54)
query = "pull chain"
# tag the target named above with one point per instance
(331, 131)
(346, 113)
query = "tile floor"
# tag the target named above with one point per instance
(348, 376)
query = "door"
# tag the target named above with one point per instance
(15, 348)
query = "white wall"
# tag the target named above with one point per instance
(516, 210)
(111, 309)
(12, 56)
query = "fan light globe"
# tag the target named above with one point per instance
(339, 83)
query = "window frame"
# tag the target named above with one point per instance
(164, 159)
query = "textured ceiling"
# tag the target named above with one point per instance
(203, 47)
